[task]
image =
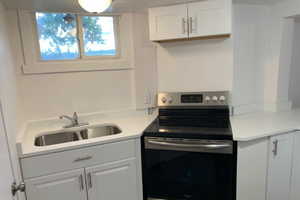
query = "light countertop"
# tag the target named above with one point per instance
(132, 124)
(263, 124)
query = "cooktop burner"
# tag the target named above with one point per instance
(192, 115)
(156, 130)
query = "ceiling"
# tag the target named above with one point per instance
(118, 5)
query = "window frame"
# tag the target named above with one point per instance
(30, 55)
(80, 40)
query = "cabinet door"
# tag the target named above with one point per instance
(280, 164)
(62, 186)
(295, 183)
(113, 181)
(168, 23)
(252, 169)
(209, 18)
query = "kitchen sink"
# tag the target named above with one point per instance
(99, 131)
(65, 136)
(56, 138)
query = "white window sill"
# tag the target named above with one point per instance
(68, 67)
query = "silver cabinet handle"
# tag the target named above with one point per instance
(81, 184)
(89, 177)
(83, 158)
(191, 25)
(183, 26)
(275, 148)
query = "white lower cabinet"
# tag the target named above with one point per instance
(67, 185)
(113, 181)
(295, 182)
(105, 172)
(280, 167)
(269, 168)
(252, 169)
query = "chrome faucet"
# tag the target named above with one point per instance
(74, 121)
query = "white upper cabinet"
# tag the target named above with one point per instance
(209, 18)
(200, 19)
(280, 165)
(67, 185)
(168, 22)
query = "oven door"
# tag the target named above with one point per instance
(181, 169)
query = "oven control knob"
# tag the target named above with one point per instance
(164, 99)
(170, 100)
(222, 99)
(207, 98)
(215, 98)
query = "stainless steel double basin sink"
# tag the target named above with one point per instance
(71, 135)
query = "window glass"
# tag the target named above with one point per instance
(99, 36)
(57, 34)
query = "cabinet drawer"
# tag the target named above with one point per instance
(79, 158)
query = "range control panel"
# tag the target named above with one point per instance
(193, 98)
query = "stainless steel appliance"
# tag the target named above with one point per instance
(188, 151)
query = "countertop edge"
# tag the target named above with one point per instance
(81, 146)
(265, 135)
(262, 124)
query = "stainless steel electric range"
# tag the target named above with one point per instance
(188, 152)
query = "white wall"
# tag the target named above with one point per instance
(285, 58)
(277, 73)
(50, 95)
(145, 62)
(198, 65)
(268, 34)
(250, 52)
(238, 64)
(294, 87)
(8, 90)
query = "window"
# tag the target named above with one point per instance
(98, 36)
(57, 35)
(64, 36)
(69, 42)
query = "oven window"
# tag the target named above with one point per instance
(189, 175)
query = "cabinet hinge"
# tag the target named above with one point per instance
(15, 188)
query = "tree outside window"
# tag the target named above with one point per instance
(58, 36)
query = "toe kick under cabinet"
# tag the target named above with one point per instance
(104, 172)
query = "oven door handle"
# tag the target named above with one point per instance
(221, 147)
(210, 146)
